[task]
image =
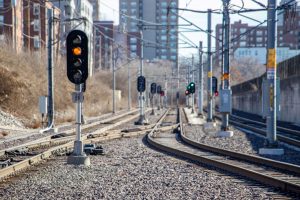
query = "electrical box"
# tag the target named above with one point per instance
(43, 104)
(225, 101)
(266, 98)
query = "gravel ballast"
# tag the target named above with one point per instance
(129, 170)
(241, 142)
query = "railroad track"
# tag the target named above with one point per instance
(68, 132)
(288, 136)
(42, 151)
(268, 172)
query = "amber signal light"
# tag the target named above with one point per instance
(76, 51)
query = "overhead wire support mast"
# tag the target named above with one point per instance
(142, 119)
(270, 84)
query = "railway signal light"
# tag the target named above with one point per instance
(162, 93)
(191, 88)
(187, 92)
(77, 56)
(215, 86)
(141, 84)
(158, 89)
(153, 88)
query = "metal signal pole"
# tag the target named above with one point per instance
(114, 81)
(209, 70)
(200, 81)
(142, 119)
(193, 80)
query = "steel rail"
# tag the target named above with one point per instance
(213, 159)
(102, 134)
(68, 132)
(279, 128)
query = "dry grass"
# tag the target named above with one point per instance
(24, 79)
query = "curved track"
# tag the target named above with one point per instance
(276, 174)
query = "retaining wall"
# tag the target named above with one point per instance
(247, 96)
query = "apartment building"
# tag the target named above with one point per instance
(25, 24)
(160, 30)
(76, 14)
(104, 34)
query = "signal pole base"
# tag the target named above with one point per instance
(225, 134)
(78, 157)
(142, 121)
(152, 112)
(79, 160)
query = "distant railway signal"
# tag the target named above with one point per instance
(187, 92)
(162, 93)
(191, 88)
(158, 89)
(153, 88)
(141, 84)
(77, 56)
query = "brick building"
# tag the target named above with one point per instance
(25, 24)
(287, 37)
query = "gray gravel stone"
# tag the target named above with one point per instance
(240, 142)
(129, 170)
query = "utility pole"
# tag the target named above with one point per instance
(193, 80)
(226, 64)
(209, 70)
(225, 92)
(50, 70)
(129, 87)
(142, 119)
(114, 81)
(189, 80)
(178, 81)
(210, 124)
(271, 115)
(200, 81)
(50, 113)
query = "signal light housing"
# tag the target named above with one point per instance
(77, 56)
(191, 88)
(153, 88)
(141, 84)
(158, 89)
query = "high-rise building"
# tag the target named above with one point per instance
(160, 30)
(72, 13)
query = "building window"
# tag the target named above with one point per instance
(36, 25)
(164, 4)
(163, 37)
(36, 42)
(259, 39)
(1, 21)
(133, 48)
(133, 40)
(36, 9)
(260, 33)
(1, 3)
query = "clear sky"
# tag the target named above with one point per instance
(109, 9)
